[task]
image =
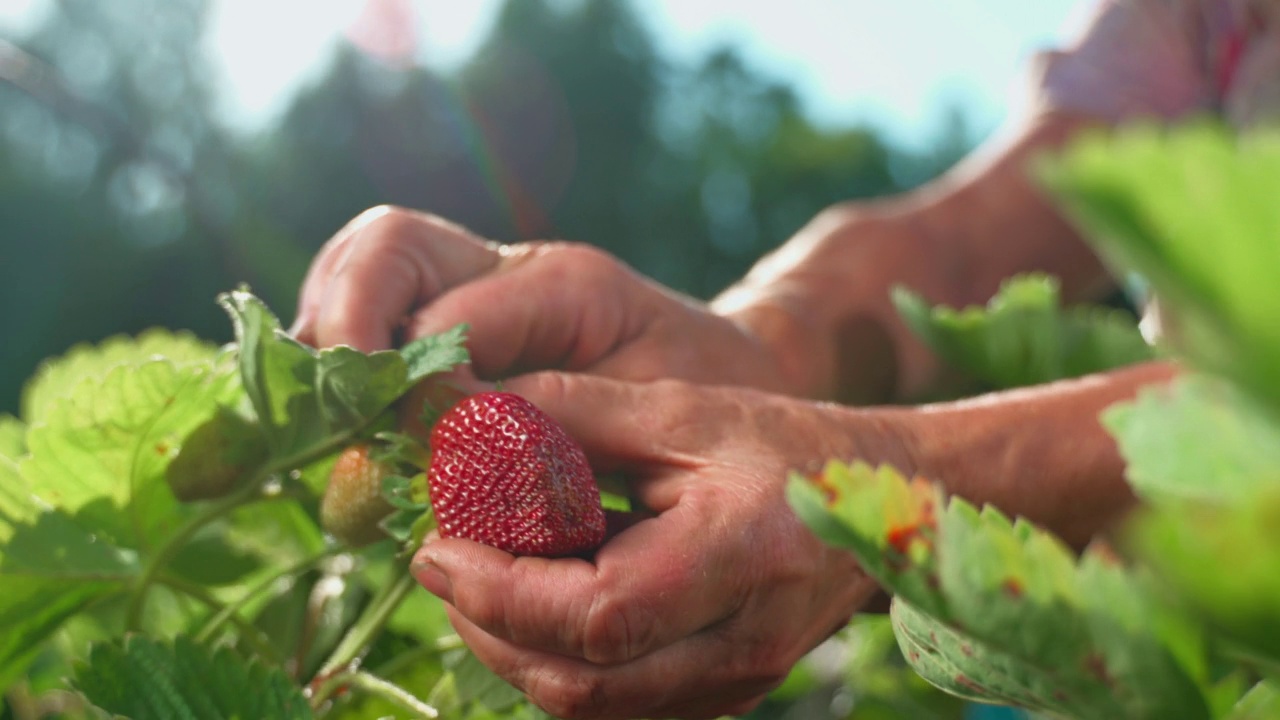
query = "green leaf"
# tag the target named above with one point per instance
(436, 353)
(60, 375)
(141, 678)
(209, 560)
(1197, 439)
(1260, 703)
(401, 449)
(52, 565)
(474, 682)
(90, 494)
(1223, 560)
(1023, 336)
(13, 437)
(399, 524)
(399, 492)
(277, 372)
(352, 387)
(103, 448)
(305, 399)
(1191, 209)
(1023, 619)
(278, 534)
(887, 522)
(970, 669)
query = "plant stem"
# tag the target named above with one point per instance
(374, 685)
(166, 553)
(254, 637)
(362, 633)
(409, 657)
(21, 702)
(228, 611)
(224, 507)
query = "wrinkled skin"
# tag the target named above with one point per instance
(703, 607)
(396, 274)
(695, 612)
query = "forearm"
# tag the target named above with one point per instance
(1041, 452)
(822, 300)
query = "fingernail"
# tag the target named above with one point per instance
(432, 578)
(297, 327)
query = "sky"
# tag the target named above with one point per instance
(895, 63)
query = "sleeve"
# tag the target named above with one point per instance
(1132, 59)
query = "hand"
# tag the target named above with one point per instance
(695, 612)
(530, 306)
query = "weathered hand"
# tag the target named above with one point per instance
(529, 306)
(696, 612)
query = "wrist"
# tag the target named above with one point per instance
(1041, 453)
(821, 303)
(793, 342)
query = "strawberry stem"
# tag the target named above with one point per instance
(250, 491)
(250, 635)
(362, 633)
(406, 659)
(228, 611)
(220, 508)
(377, 687)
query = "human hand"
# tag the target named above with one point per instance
(394, 274)
(698, 611)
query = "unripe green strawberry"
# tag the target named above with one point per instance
(216, 457)
(353, 504)
(506, 474)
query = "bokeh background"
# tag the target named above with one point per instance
(156, 152)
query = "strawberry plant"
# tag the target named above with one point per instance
(1180, 619)
(195, 531)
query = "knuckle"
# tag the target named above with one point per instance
(548, 388)
(568, 695)
(677, 409)
(394, 226)
(615, 631)
(388, 224)
(584, 263)
(377, 212)
(764, 665)
(484, 609)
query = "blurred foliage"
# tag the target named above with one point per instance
(126, 202)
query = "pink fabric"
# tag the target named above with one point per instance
(1168, 59)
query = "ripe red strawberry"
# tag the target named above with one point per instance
(353, 504)
(505, 474)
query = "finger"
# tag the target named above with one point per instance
(724, 669)
(394, 263)
(620, 424)
(661, 580)
(318, 275)
(552, 305)
(702, 677)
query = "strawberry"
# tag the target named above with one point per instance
(215, 457)
(506, 474)
(353, 504)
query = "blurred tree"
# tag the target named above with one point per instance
(117, 204)
(742, 168)
(565, 94)
(124, 203)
